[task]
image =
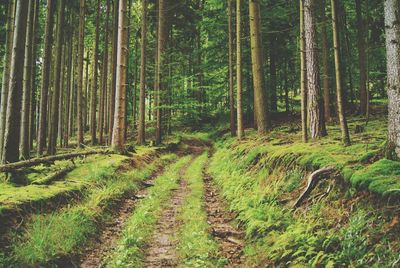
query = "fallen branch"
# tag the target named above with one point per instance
(313, 180)
(58, 175)
(47, 160)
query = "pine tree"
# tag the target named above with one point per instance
(240, 130)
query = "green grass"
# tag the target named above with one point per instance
(261, 177)
(140, 226)
(12, 196)
(49, 237)
(196, 247)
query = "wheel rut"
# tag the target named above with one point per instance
(161, 251)
(229, 237)
(96, 253)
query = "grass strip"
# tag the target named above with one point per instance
(196, 246)
(50, 237)
(140, 227)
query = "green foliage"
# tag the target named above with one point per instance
(196, 246)
(260, 180)
(140, 226)
(48, 237)
(382, 177)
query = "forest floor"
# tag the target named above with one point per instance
(199, 202)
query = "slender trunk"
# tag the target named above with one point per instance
(303, 76)
(13, 116)
(6, 71)
(68, 86)
(118, 134)
(260, 103)
(51, 149)
(240, 130)
(112, 89)
(93, 100)
(33, 105)
(103, 103)
(325, 64)
(392, 26)
(230, 62)
(79, 119)
(142, 98)
(273, 75)
(136, 76)
(339, 91)
(48, 40)
(362, 55)
(27, 85)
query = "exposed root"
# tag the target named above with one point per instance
(313, 180)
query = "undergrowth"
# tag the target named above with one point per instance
(140, 226)
(47, 238)
(262, 178)
(196, 247)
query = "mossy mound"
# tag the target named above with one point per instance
(382, 177)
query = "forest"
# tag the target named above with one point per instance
(200, 133)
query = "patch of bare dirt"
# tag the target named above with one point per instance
(161, 251)
(95, 254)
(229, 237)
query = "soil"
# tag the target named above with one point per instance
(161, 251)
(229, 237)
(96, 252)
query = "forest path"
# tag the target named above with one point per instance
(96, 253)
(162, 249)
(229, 237)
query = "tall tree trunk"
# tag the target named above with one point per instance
(339, 90)
(68, 85)
(33, 105)
(312, 69)
(240, 130)
(93, 101)
(79, 119)
(135, 83)
(142, 98)
(118, 136)
(260, 103)
(27, 89)
(48, 40)
(161, 45)
(13, 116)
(6, 71)
(392, 26)
(114, 66)
(103, 104)
(303, 76)
(51, 149)
(325, 63)
(362, 56)
(230, 68)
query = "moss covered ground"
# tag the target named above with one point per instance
(348, 224)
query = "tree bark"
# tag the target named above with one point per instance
(93, 100)
(103, 104)
(13, 116)
(339, 90)
(27, 85)
(312, 69)
(79, 119)
(142, 98)
(260, 103)
(112, 89)
(51, 149)
(6, 72)
(240, 129)
(118, 136)
(392, 26)
(303, 76)
(230, 68)
(48, 40)
(325, 63)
